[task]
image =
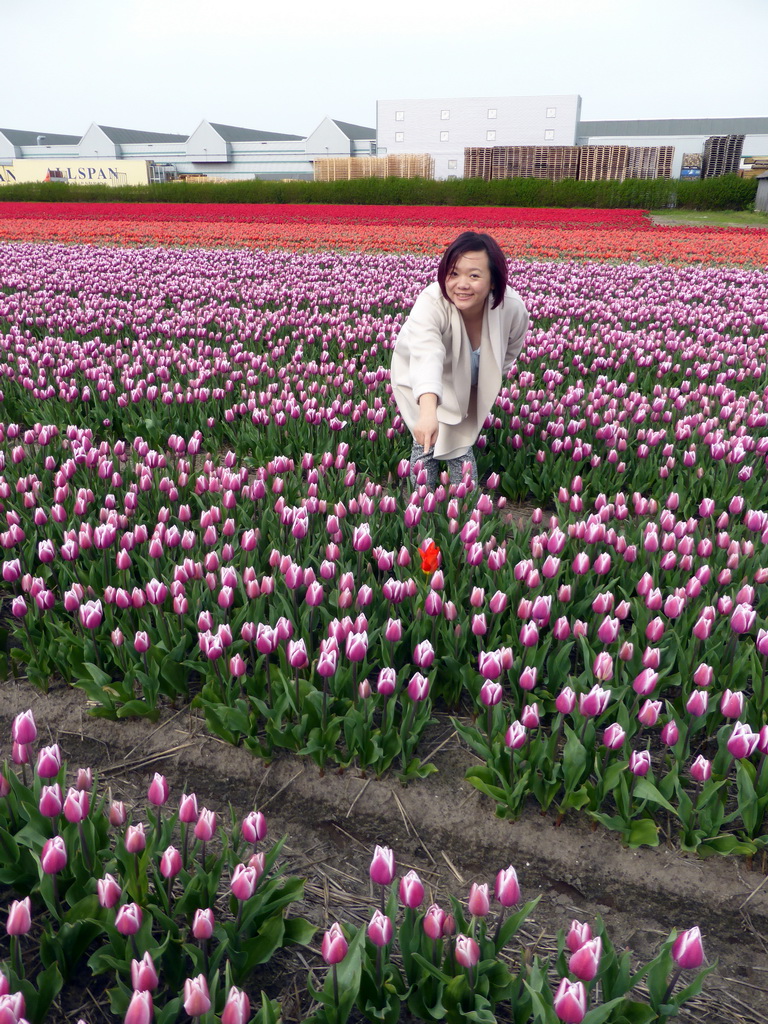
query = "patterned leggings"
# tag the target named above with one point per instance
(430, 466)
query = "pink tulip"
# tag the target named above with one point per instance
(109, 891)
(418, 687)
(380, 929)
(648, 714)
(603, 666)
(528, 678)
(158, 790)
(77, 804)
(237, 1009)
(433, 922)
(565, 701)
(202, 924)
(197, 1001)
(53, 857)
(411, 890)
(516, 736)
(670, 734)
(48, 762)
(742, 741)
(140, 1009)
(732, 703)
(570, 1001)
(701, 769)
(578, 934)
(614, 736)
(51, 800)
(697, 703)
(382, 869)
(491, 693)
(507, 890)
(253, 827)
(479, 901)
(640, 762)
(23, 729)
(135, 839)
(205, 827)
(687, 950)
(595, 702)
(466, 951)
(244, 881)
(170, 863)
(585, 962)
(334, 946)
(645, 682)
(128, 919)
(529, 716)
(703, 675)
(188, 808)
(144, 974)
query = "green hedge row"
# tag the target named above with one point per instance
(729, 192)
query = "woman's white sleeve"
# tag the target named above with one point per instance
(423, 334)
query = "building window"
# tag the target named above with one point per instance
(490, 136)
(399, 115)
(491, 113)
(551, 111)
(443, 136)
(549, 134)
(451, 165)
(445, 115)
(398, 136)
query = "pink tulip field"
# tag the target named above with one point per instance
(205, 500)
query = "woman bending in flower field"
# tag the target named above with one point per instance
(462, 335)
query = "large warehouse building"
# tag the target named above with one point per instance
(488, 137)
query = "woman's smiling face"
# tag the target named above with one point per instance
(468, 282)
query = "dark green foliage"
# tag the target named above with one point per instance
(729, 192)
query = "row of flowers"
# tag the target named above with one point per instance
(446, 217)
(538, 238)
(179, 909)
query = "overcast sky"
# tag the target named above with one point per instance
(165, 65)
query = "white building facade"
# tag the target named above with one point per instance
(444, 127)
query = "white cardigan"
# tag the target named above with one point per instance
(429, 356)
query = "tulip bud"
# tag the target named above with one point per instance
(507, 890)
(128, 919)
(466, 951)
(334, 945)
(479, 901)
(197, 1000)
(380, 929)
(687, 949)
(237, 1009)
(411, 890)
(382, 869)
(143, 974)
(585, 962)
(578, 934)
(109, 891)
(570, 1001)
(202, 924)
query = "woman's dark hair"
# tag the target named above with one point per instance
(471, 241)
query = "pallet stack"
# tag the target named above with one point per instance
(722, 155)
(585, 163)
(649, 162)
(406, 165)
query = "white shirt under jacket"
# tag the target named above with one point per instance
(433, 355)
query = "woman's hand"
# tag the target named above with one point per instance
(426, 427)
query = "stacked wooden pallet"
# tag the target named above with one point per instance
(398, 165)
(722, 155)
